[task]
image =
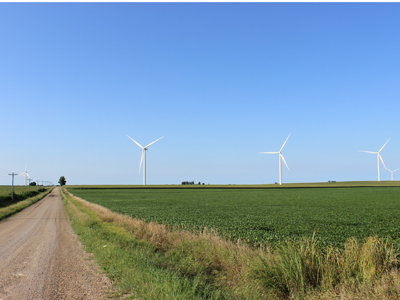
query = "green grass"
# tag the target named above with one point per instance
(264, 215)
(133, 265)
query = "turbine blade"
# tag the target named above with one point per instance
(268, 152)
(26, 166)
(369, 152)
(384, 145)
(285, 142)
(135, 141)
(141, 160)
(154, 142)
(380, 157)
(395, 170)
(284, 161)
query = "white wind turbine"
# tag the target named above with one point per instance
(280, 159)
(143, 157)
(25, 174)
(379, 158)
(392, 172)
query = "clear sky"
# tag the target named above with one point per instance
(220, 81)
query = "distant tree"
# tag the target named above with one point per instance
(32, 183)
(199, 183)
(62, 181)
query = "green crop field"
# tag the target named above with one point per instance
(6, 189)
(263, 215)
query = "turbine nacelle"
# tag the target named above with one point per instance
(392, 171)
(25, 174)
(379, 159)
(143, 157)
(280, 158)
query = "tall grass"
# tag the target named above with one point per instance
(302, 269)
(298, 267)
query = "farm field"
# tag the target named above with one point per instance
(6, 189)
(20, 193)
(262, 215)
(22, 198)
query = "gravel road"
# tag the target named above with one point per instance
(41, 257)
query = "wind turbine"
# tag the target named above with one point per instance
(379, 158)
(280, 159)
(392, 172)
(143, 157)
(26, 175)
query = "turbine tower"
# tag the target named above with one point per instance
(392, 172)
(280, 159)
(26, 175)
(143, 157)
(379, 158)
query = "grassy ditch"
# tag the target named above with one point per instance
(21, 201)
(148, 261)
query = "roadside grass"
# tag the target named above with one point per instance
(303, 267)
(21, 201)
(133, 265)
(148, 261)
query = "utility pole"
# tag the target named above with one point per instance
(37, 186)
(12, 189)
(29, 184)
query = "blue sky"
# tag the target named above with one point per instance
(220, 81)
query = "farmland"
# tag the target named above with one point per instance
(20, 193)
(6, 189)
(23, 198)
(262, 215)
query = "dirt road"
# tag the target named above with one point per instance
(41, 257)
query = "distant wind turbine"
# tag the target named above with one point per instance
(379, 158)
(143, 157)
(392, 172)
(25, 174)
(280, 159)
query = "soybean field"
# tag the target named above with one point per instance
(262, 215)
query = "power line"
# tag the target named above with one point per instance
(1, 169)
